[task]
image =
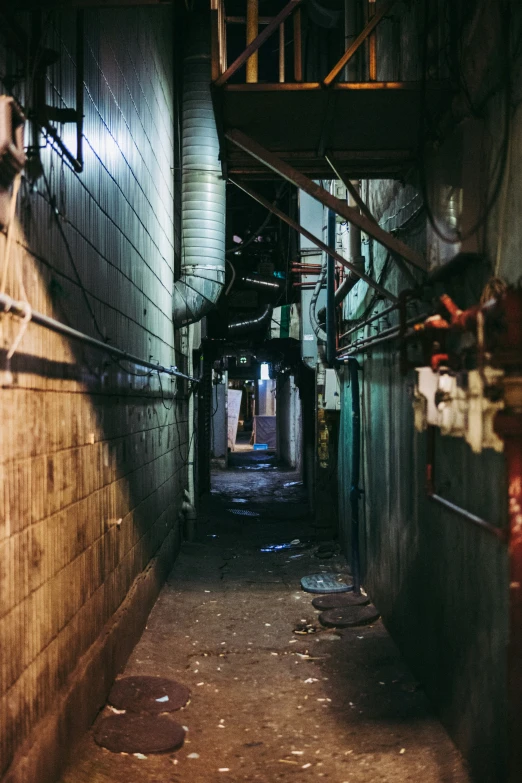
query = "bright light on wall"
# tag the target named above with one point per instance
(265, 375)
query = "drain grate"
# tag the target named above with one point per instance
(326, 583)
(242, 512)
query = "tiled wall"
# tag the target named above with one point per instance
(92, 456)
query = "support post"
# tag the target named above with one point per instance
(282, 53)
(252, 29)
(355, 492)
(372, 45)
(298, 56)
(339, 206)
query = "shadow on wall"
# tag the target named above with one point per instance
(93, 459)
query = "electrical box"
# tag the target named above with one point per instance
(332, 391)
(463, 405)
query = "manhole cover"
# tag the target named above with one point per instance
(148, 694)
(349, 616)
(326, 583)
(131, 733)
(339, 601)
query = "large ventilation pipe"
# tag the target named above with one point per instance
(203, 189)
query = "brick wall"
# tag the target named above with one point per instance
(93, 456)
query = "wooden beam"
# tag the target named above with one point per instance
(319, 243)
(339, 206)
(64, 5)
(298, 47)
(258, 41)
(349, 53)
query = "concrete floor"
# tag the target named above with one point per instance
(268, 705)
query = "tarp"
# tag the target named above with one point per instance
(265, 430)
(234, 404)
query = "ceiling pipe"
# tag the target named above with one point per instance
(256, 321)
(202, 190)
(262, 282)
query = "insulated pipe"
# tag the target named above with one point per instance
(355, 492)
(250, 324)
(262, 282)
(202, 190)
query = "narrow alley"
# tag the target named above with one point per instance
(260, 391)
(266, 703)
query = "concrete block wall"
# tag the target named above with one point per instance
(93, 452)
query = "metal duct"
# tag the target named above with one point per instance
(249, 324)
(203, 189)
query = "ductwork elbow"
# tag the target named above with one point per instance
(203, 189)
(252, 323)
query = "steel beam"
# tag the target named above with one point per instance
(339, 206)
(319, 243)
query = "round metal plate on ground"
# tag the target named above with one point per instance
(148, 694)
(131, 733)
(326, 583)
(349, 616)
(339, 601)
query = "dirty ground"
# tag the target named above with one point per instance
(268, 704)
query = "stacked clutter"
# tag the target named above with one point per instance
(341, 605)
(140, 721)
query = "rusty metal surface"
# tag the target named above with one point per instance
(349, 617)
(324, 602)
(148, 694)
(132, 733)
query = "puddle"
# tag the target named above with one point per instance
(239, 500)
(296, 544)
(293, 484)
(260, 466)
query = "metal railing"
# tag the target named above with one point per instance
(258, 29)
